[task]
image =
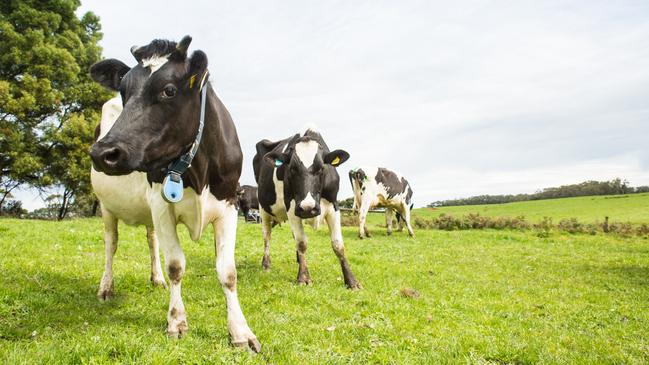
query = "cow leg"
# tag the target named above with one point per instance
(405, 216)
(225, 232)
(110, 244)
(388, 220)
(399, 222)
(165, 226)
(303, 276)
(245, 214)
(332, 217)
(362, 217)
(157, 279)
(266, 228)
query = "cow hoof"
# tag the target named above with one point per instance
(265, 263)
(252, 344)
(159, 282)
(105, 291)
(304, 279)
(105, 294)
(177, 328)
(360, 237)
(354, 286)
(177, 323)
(389, 233)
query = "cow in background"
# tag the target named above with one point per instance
(297, 181)
(380, 187)
(247, 195)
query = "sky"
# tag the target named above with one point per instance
(462, 98)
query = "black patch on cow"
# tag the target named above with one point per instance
(393, 184)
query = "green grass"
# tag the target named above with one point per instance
(485, 297)
(632, 208)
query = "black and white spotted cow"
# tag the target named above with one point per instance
(168, 153)
(380, 187)
(297, 180)
(247, 196)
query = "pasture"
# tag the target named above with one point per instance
(632, 208)
(445, 297)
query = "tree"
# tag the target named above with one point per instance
(46, 94)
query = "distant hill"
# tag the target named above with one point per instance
(586, 188)
(632, 208)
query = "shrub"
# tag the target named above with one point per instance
(570, 225)
(623, 229)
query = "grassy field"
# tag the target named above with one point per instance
(632, 208)
(483, 297)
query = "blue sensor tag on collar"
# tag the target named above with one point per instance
(278, 163)
(172, 188)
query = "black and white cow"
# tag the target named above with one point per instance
(380, 187)
(247, 199)
(162, 100)
(297, 180)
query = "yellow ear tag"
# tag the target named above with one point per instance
(192, 80)
(336, 161)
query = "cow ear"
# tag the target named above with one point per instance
(109, 73)
(276, 158)
(180, 53)
(197, 69)
(336, 158)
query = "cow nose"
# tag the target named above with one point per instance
(111, 156)
(107, 157)
(308, 203)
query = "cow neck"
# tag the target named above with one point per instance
(172, 185)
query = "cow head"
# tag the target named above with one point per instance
(305, 166)
(161, 100)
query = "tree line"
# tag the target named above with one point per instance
(49, 106)
(613, 187)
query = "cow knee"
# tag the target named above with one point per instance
(338, 247)
(175, 270)
(228, 278)
(301, 246)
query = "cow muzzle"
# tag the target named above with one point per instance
(308, 207)
(109, 158)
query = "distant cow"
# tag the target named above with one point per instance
(247, 195)
(380, 187)
(170, 156)
(297, 180)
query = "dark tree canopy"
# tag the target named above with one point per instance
(586, 188)
(48, 103)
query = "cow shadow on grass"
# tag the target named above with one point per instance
(36, 302)
(638, 275)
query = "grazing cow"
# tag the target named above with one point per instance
(380, 187)
(247, 195)
(173, 156)
(297, 180)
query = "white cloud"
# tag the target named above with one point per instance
(465, 98)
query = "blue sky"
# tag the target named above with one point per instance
(462, 98)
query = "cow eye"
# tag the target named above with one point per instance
(169, 91)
